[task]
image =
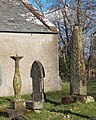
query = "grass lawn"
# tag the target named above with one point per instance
(53, 110)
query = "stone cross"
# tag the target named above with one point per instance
(17, 105)
(17, 102)
(38, 74)
(17, 83)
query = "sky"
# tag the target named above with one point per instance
(45, 4)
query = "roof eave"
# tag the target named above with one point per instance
(49, 32)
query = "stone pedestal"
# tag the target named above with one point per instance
(34, 105)
(10, 113)
(17, 104)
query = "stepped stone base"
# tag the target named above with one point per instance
(17, 108)
(9, 113)
(34, 105)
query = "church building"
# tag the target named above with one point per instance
(26, 32)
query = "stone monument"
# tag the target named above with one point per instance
(37, 75)
(17, 102)
(17, 105)
(78, 86)
(77, 65)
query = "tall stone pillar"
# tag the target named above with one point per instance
(17, 105)
(77, 64)
(17, 102)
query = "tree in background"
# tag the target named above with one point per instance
(63, 14)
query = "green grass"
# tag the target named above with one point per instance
(57, 95)
(53, 110)
(91, 86)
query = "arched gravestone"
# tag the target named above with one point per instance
(37, 75)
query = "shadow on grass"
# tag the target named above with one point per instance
(66, 112)
(1, 113)
(52, 101)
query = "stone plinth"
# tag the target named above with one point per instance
(10, 113)
(74, 98)
(17, 108)
(17, 104)
(34, 105)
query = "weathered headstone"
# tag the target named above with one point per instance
(37, 75)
